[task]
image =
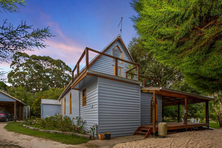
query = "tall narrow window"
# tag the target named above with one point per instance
(64, 106)
(70, 103)
(84, 97)
(117, 52)
(120, 71)
(151, 110)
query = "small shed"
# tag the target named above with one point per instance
(50, 107)
(12, 105)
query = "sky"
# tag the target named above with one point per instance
(76, 24)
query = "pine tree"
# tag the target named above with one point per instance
(185, 34)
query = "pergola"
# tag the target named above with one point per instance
(173, 97)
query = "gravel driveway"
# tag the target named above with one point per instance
(15, 140)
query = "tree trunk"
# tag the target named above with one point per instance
(219, 120)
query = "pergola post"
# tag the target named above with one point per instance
(185, 112)
(19, 112)
(207, 114)
(15, 111)
(154, 112)
(22, 112)
(178, 117)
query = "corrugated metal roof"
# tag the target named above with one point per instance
(12, 97)
(178, 92)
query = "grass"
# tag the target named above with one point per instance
(66, 139)
(214, 124)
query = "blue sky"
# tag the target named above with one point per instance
(76, 24)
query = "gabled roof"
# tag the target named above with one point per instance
(97, 57)
(12, 97)
(108, 46)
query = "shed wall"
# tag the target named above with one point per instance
(119, 107)
(145, 108)
(49, 110)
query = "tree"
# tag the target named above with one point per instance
(20, 38)
(3, 86)
(159, 75)
(216, 104)
(52, 93)
(38, 73)
(185, 34)
(22, 94)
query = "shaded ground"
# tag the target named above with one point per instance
(197, 139)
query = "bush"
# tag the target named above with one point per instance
(56, 122)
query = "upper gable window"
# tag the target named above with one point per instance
(117, 52)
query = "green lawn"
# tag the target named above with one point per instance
(214, 124)
(67, 139)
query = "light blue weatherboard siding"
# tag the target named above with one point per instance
(119, 107)
(5, 98)
(75, 104)
(89, 113)
(49, 110)
(105, 64)
(145, 108)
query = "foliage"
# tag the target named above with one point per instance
(21, 94)
(92, 130)
(11, 5)
(3, 86)
(20, 38)
(67, 139)
(158, 74)
(80, 123)
(57, 122)
(185, 34)
(36, 108)
(38, 73)
(217, 107)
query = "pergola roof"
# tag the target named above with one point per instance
(175, 97)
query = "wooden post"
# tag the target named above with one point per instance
(207, 114)
(72, 76)
(126, 75)
(87, 58)
(15, 111)
(162, 113)
(154, 112)
(178, 117)
(144, 82)
(138, 73)
(22, 113)
(185, 114)
(116, 67)
(77, 69)
(19, 112)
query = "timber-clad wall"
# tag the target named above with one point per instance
(105, 64)
(89, 113)
(119, 107)
(145, 108)
(75, 104)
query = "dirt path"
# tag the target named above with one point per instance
(197, 139)
(15, 140)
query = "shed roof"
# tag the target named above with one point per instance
(17, 100)
(50, 101)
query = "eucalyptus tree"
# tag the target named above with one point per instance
(38, 73)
